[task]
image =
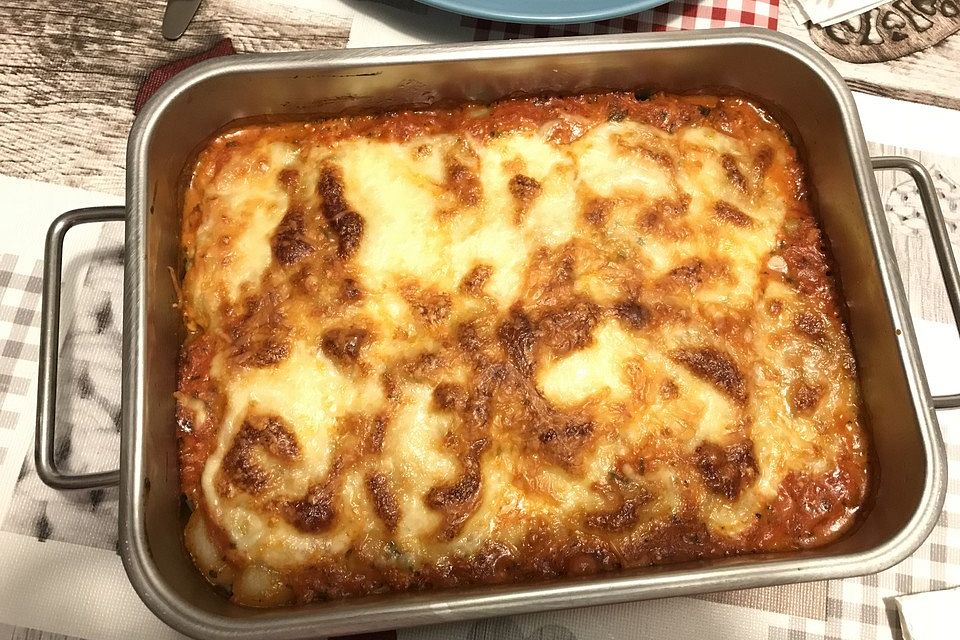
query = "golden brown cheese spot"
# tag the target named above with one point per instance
(464, 489)
(734, 327)
(374, 434)
(289, 179)
(459, 500)
(476, 279)
(806, 262)
(661, 217)
(763, 160)
(426, 366)
(715, 367)
(524, 189)
(260, 334)
(315, 512)
(289, 245)
(726, 470)
(570, 327)
(565, 443)
(633, 314)
(345, 345)
(362, 434)
(346, 223)
(661, 158)
(517, 337)
(270, 353)
(384, 502)
(464, 183)
(448, 396)
(557, 270)
(351, 291)
(391, 386)
(470, 339)
(240, 466)
(596, 211)
(687, 276)
(271, 434)
(476, 414)
(433, 307)
(805, 397)
(278, 439)
(734, 175)
(669, 390)
(672, 207)
(810, 325)
(621, 519)
(726, 212)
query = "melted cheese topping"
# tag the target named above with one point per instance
(538, 338)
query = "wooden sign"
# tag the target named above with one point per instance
(890, 31)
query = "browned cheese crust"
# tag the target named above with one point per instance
(541, 338)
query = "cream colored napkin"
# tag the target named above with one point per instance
(827, 12)
(929, 616)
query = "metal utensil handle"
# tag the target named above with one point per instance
(177, 17)
(941, 242)
(45, 449)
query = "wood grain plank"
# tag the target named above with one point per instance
(69, 72)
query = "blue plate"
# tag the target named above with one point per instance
(545, 11)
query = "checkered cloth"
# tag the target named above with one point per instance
(20, 286)
(673, 16)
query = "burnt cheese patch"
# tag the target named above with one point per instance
(524, 340)
(716, 368)
(385, 503)
(726, 470)
(289, 242)
(732, 170)
(476, 279)
(273, 437)
(345, 223)
(726, 212)
(524, 189)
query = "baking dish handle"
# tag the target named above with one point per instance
(941, 242)
(45, 449)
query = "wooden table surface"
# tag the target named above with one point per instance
(69, 72)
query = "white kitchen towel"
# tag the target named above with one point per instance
(929, 616)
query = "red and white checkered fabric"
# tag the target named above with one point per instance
(673, 16)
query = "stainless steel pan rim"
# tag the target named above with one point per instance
(445, 606)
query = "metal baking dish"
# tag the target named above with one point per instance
(801, 87)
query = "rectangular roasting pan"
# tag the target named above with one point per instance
(801, 88)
